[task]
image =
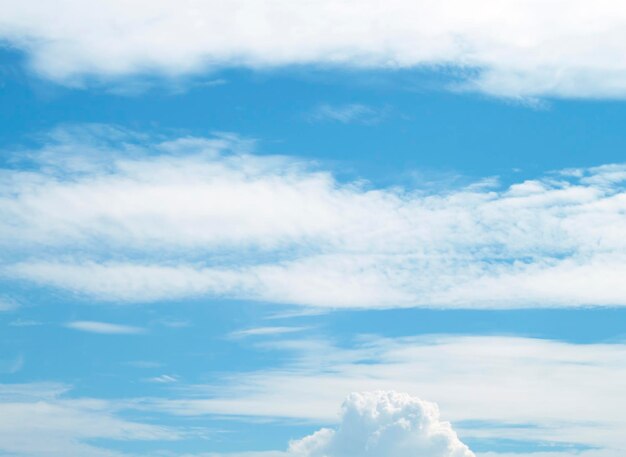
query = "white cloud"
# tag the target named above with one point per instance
(566, 48)
(104, 328)
(491, 388)
(163, 379)
(389, 424)
(37, 420)
(120, 216)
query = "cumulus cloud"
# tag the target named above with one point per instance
(123, 216)
(384, 424)
(519, 48)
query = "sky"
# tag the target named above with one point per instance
(312, 229)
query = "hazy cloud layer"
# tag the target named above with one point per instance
(570, 48)
(120, 216)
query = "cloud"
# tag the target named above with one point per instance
(492, 388)
(347, 114)
(39, 420)
(389, 424)
(122, 216)
(104, 328)
(523, 48)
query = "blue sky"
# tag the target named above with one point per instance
(213, 233)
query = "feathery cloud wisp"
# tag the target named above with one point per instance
(38, 420)
(104, 328)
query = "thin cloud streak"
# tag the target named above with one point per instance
(104, 328)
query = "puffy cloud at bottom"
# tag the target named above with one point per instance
(384, 424)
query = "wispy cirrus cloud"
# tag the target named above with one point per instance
(40, 420)
(122, 216)
(163, 379)
(104, 328)
(526, 49)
